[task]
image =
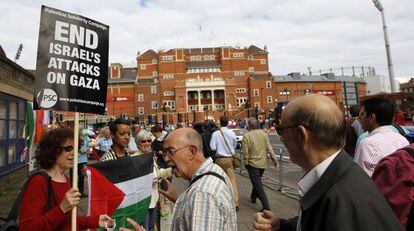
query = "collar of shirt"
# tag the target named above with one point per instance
(306, 183)
(202, 168)
(385, 128)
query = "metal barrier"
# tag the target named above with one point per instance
(284, 179)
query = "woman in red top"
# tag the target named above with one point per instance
(55, 156)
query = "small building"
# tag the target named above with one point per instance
(16, 90)
(407, 87)
(344, 90)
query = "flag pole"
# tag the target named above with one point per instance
(75, 166)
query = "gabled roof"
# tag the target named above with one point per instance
(149, 54)
(255, 50)
(128, 75)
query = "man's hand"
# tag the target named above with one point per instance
(171, 194)
(265, 220)
(70, 200)
(135, 225)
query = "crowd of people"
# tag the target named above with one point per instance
(358, 176)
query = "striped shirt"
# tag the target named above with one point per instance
(104, 144)
(378, 144)
(111, 155)
(207, 204)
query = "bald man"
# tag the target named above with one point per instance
(336, 194)
(207, 204)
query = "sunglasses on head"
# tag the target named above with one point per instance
(68, 148)
(145, 141)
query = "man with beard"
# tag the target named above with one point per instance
(207, 204)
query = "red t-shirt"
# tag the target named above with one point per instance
(33, 206)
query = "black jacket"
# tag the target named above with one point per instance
(344, 199)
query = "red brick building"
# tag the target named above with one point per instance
(181, 84)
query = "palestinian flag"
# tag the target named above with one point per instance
(121, 188)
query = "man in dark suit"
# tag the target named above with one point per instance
(336, 194)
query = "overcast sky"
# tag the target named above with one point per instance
(320, 34)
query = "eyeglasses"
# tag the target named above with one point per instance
(171, 152)
(68, 148)
(280, 128)
(145, 141)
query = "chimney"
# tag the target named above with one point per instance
(294, 75)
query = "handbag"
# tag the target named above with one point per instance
(235, 159)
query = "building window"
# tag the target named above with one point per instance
(238, 55)
(198, 58)
(153, 89)
(212, 57)
(140, 97)
(192, 58)
(143, 66)
(263, 61)
(206, 57)
(203, 70)
(169, 76)
(141, 111)
(256, 92)
(239, 73)
(167, 58)
(307, 91)
(251, 69)
(169, 103)
(168, 93)
(154, 73)
(154, 104)
(257, 104)
(269, 99)
(268, 84)
(241, 101)
(241, 90)
(154, 61)
(12, 126)
(284, 92)
(250, 57)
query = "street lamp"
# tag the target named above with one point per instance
(379, 6)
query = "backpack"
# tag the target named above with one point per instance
(408, 136)
(410, 224)
(11, 222)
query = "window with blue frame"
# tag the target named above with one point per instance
(12, 126)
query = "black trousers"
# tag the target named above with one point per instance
(255, 175)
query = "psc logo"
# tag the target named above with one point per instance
(47, 98)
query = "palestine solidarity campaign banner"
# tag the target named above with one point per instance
(121, 188)
(72, 63)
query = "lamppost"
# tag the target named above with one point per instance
(286, 92)
(379, 6)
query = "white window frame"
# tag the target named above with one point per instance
(168, 76)
(153, 89)
(263, 61)
(169, 103)
(212, 57)
(198, 58)
(250, 57)
(241, 101)
(238, 55)
(269, 99)
(168, 93)
(141, 110)
(154, 104)
(140, 97)
(257, 104)
(206, 57)
(241, 90)
(255, 92)
(143, 66)
(268, 84)
(154, 73)
(239, 73)
(192, 58)
(251, 69)
(154, 61)
(167, 58)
